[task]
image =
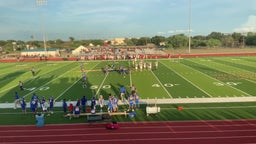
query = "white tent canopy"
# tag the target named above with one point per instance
(81, 49)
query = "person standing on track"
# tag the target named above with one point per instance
(39, 120)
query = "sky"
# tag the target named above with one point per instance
(107, 19)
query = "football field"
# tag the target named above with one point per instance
(208, 77)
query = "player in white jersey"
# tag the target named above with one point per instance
(141, 65)
(144, 65)
(149, 66)
(136, 66)
(156, 65)
(84, 80)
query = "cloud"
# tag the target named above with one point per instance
(77, 8)
(19, 5)
(249, 26)
(178, 31)
(173, 32)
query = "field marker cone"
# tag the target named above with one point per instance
(180, 108)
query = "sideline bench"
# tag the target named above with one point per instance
(96, 116)
(118, 113)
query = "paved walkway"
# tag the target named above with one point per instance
(165, 101)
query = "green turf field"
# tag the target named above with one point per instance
(212, 77)
(174, 78)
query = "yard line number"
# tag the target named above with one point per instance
(226, 83)
(166, 85)
(34, 88)
(154, 85)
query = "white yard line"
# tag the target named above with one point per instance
(130, 73)
(48, 82)
(161, 84)
(188, 80)
(73, 84)
(101, 84)
(29, 79)
(216, 79)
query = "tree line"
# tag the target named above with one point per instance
(214, 39)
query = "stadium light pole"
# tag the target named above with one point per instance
(42, 3)
(189, 28)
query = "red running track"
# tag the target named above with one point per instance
(181, 132)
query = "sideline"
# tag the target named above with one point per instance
(166, 101)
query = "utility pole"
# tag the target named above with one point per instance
(189, 28)
(43, 3)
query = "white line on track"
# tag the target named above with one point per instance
(128, 133)
(135, 139)
(201, 125)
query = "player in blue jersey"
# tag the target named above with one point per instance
(64, 106)
(83, 103)
(34, 96)
(131, 100)
(137, 100)
(93, 103)
(51, 104)
(110, 106)
(122, 91)
(114, 103)
(77, 111)
(16, 100)
(23, 105)
(122, 71)
(33, 106)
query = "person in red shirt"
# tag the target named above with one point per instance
(71, 108)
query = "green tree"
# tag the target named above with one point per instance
(228, 41)
(238, 39)
(199, 41)
(71, 39)
(143, 41)
(134, 41)
(178, 41)
(251, 39)
(213, 43)
(129, 42)
(157, 40)
(215, 35)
